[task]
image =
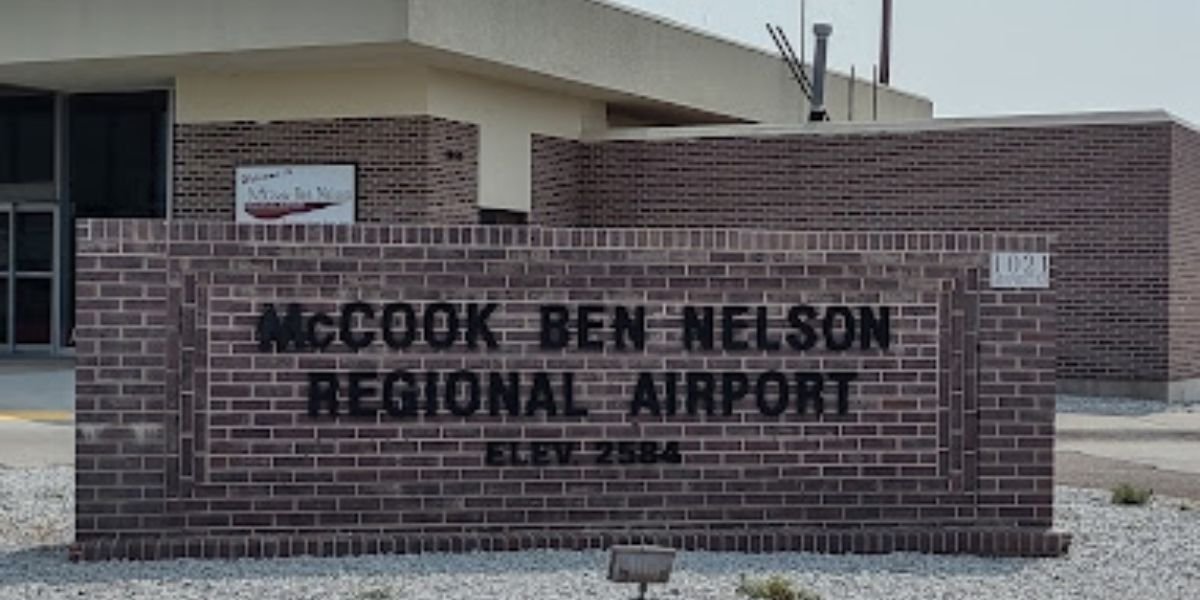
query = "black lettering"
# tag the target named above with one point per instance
(457, 379)
(568, 387)
(833, 316)
(445, 339)
(698, 328)
(843, 381)
(494, 456)
(555, 327)
(563, 451)
(361, 389)
(700, 393)
(763, 332)
(281, 333)
(670, 393)
(734, 387)
(630, 330)
(477, 325)
(731, 327)
(805, 337)
(810, 391)
(410, 396)
(315, 339)
(541, 397)
(765, 406)
(408, 329)
(431, 395)
(877, 327)
(406, 409)
(645, 397)
(514, 452)
(323, 392)
(353, 341)
(590, 319)
(539, 454)
(504, 394)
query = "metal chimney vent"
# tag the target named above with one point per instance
(820, 65)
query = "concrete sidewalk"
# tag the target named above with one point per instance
(1168, 440)
(37, 391)
(1157, 450)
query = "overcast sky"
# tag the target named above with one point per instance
(987, 57)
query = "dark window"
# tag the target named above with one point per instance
(35, 242)
(26, 139)
(493, 216)
(33, 310)
(118, 155)
(3, 311)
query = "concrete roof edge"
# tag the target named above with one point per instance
(900, 127)
(716, 37)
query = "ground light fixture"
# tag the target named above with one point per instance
(642, 565)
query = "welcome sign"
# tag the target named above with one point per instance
(296, 194)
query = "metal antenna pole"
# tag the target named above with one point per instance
(850, 95)
(803, 31)
(885, 45)
(875, 94)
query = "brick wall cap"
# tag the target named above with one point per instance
(1002, 122)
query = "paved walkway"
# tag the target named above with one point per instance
(42, 391)
(1160, 451)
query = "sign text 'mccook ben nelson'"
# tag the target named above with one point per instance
(441, 327)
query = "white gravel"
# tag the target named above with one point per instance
(1150, 553)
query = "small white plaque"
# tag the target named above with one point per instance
(296, 194)
(1020, 270)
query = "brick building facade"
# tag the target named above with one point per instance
(1121, 195)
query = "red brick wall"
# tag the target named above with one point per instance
(1105, 189)
(1185, 257)
(194, 442)
(409, 168)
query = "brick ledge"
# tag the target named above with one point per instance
(1013, 542)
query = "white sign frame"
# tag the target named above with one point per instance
(1020, 270)
(297, 194)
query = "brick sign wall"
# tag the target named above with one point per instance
(250, 391)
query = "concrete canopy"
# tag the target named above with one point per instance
(585, 48)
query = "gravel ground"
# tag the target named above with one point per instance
(1126, 552)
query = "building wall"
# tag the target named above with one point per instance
(401, 90)
(508, 116)
(1104, 189)
(75, 30)
(1185, 264)
(557, 178)
(196, 441)
(290, 110)
(405, 172)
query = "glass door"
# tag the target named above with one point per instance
(28, 280)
